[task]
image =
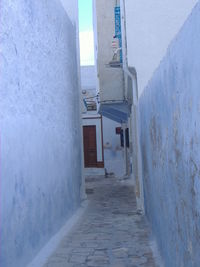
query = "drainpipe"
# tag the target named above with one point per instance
(131, 72)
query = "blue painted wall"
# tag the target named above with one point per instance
(170, 143)
(40, 155)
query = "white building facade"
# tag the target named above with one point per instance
(92, 124)
(103, 153)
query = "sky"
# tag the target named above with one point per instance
(86, 32)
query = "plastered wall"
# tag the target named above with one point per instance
(170, 143)
(151, 25)
(40, 155)
(113, 152)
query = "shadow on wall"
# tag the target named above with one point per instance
(170, 142)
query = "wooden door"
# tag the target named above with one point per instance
(90, 146)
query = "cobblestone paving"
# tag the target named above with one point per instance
(110, 233)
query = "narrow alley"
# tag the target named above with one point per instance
(99, 133)
(111, 232)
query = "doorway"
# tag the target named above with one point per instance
(90, 146)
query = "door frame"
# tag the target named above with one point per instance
(100, 163)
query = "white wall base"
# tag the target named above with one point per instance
(94, 171)
(54, 242)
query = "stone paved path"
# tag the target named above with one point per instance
(110, 233)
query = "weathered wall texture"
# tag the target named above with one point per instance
(170, 142)
(39, 126)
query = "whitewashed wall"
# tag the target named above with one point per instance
(109, 80)
(113, 152)
(151, 25)
(39, 125)
(88, 84)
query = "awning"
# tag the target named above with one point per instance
(119, 112)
